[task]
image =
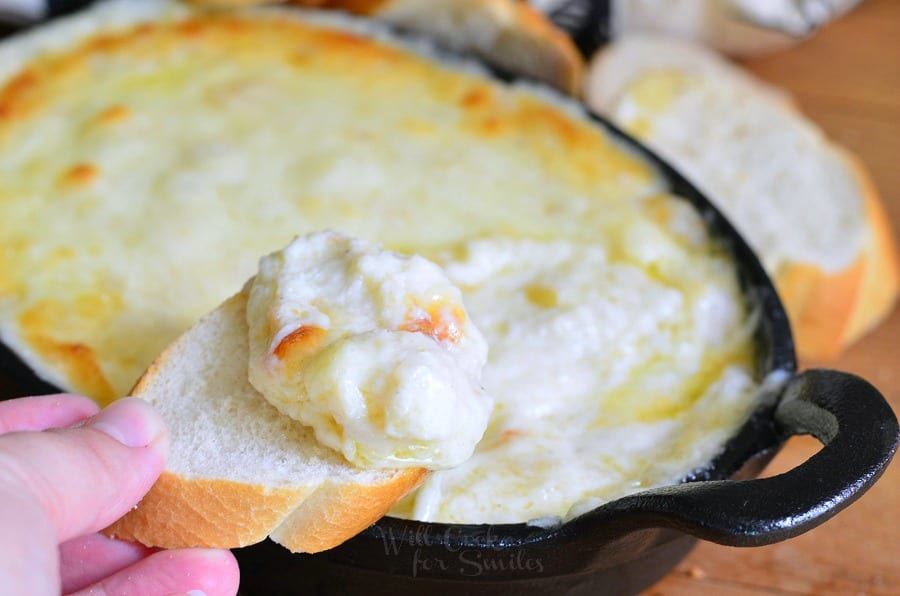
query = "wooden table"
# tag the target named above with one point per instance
(847, 79)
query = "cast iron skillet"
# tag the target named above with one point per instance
(627, 544)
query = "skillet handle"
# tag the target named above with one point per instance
(859, 431)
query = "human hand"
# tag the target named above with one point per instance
(68, 470)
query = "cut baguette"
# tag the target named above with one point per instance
(818, 225)
(238, 470)
(506, 33)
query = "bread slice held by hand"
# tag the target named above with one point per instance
(238, 470)
(806, 206)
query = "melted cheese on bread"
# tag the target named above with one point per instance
(371, 349)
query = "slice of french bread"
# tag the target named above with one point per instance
(805, 205)
(506, 33)
(238, 470)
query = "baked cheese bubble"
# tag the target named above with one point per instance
(372, 349)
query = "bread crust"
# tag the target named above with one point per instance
(612, 70)
(335, 512)
(819, 305)
(524, 41)
(180, 512)
(187, 512)
(828, 310)
(831, 311)
(231, 3)
(880, 280)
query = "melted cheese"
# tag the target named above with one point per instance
(194, 144)
(373, 350)
(608, 374)
(145, 167)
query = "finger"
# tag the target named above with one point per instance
(86, 478)
(28, 556)
(212, 572)
(88, 559)
(44, 411)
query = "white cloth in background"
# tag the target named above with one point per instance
(737, 27)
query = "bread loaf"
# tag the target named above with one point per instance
(506, 33)
(804, 204)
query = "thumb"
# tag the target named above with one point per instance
(85, 478)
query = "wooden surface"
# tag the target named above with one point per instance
(847, 79)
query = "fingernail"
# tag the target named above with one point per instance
(130, 421)
(190, 593)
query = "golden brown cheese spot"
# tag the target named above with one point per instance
(43, 317)
(30, 90)
(441, 320)
(362, 7)
(555, 124)
(339, 48)
(300, 59)
(476, 98)
(237, 27)
(298, 344)
(113, 115)
(191, 28)
(80, 174)
(345, 41)
(24, 82)
(581, 154)
(55, 330)
(80, 364)
(96, 305)
(510, 434)
(15, 98)
(491, 127)
(659, 209)
(144, 29)
(543, 296)
(535, 123)
(106, 43)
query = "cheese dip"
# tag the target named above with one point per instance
(371, 349)
(614, 368)
(185, 144)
